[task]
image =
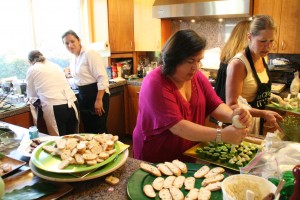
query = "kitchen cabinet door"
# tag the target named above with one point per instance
(24, 120)
(132, 107)
(116, 115)
(147, 30)
(285, 15)
(120, 25)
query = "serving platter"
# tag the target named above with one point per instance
(13, 163)
(192, 152)
(25, 149)
(62, 177)
(140, 178)
(50, 163)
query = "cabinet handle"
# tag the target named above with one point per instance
(131, 44)
(282, 45)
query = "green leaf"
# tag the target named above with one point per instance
(35, 191)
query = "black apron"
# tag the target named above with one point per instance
(263, 89)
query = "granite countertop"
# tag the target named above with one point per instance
(14, 110)
(99, 189)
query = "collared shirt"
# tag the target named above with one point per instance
(47, 82)
(88, 68)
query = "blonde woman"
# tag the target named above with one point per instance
(236, 42)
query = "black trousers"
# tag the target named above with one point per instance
(66, 120)
(92, 122)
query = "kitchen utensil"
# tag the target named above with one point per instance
(272, 196)
(249, 195)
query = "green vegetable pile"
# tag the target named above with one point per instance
(225, 154)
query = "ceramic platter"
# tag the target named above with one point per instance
(50, 163)
(25, 149)
(118, 161)
(140, 178)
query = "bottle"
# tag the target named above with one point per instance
(295, 85)
(296, 193)
(119, 69)
(33, 132)
(114, 71)
(109, 71)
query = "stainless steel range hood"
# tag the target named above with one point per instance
(201, 8)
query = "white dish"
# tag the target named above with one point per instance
(24, 148)
(106, 169)
(239, 184)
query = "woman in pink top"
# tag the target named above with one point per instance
(174, 101)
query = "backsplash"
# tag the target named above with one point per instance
(217, 32)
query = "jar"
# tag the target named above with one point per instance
(114, 72)
(33, 132)
(119, 69)
(109, 72)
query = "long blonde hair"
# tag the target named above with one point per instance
(237, 41)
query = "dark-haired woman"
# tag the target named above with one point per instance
(174, 101)
(91, 78)
(46, 81)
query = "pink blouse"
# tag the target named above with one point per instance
(160, 107)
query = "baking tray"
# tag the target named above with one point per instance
(14, 163)
(27, 178)
(192, 152)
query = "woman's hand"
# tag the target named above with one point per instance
(271, 118)
(233, 135)
(245, 117)
(99, 110)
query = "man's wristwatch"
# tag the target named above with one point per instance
(219, 135)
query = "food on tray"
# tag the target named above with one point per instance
(214, 172)
(189, 183)
(176, 193)
(112, 180)
(193, 194)
(228, 155)
(201, 172)
(176, 171)
(158, 183)
(34, 143)
(150, 169)
(204, 194)
(164, 169)
(5, 168)
(87, 149)
(179, 181)
(149, 191)
(212, 179)
(168, 186)
(182, 166)
(168, 182)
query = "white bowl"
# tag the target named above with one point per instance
(238, 184)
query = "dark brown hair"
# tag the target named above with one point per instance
(181, 45)
(70, 32)
(36, 56)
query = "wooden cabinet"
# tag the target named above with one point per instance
(147, 30)
(116, 115)
(285, 14)
(120, 25)
(132, 107)
(24, 120)
(131, 26)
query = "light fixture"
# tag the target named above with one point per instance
(220, 19)
(193, 21)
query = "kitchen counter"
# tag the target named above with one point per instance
(91, 189)
(14, 110)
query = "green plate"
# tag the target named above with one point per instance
(106, 169)
(140, 178)
(47, 162)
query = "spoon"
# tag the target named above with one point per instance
(272, 196)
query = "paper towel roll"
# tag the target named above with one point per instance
(102, 47)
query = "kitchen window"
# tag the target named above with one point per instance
(37, 24)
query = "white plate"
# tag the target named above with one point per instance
(24, 148)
